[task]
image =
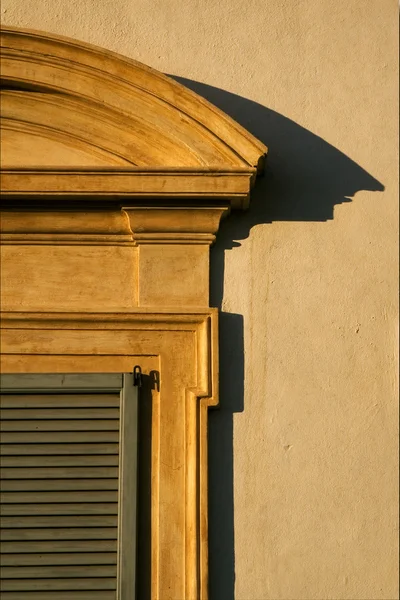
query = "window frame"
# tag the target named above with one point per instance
(156, 222)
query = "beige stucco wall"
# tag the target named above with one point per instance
(314, 451)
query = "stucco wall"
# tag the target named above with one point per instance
(307, 280)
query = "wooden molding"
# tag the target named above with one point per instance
(182, 346)
(73, 227)
(127, 227)
(118, 259)
(114, 180)
(186, 186)
(175, 225)
(81, 121)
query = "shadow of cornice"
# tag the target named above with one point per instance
(305, 176)
(304, 180)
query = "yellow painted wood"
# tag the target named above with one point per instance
(120, 114)
(184, 342)
(187, 354)
(136, 117)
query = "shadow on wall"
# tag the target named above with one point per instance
(305, 178)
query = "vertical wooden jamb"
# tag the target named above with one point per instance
(155, 496)
(191, 497)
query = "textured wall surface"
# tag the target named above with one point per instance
(303, 498)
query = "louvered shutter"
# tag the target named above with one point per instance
(68, 487)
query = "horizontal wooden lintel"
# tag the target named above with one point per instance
(185, 184)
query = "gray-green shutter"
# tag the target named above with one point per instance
(68, 486)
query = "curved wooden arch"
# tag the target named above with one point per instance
(69, 106)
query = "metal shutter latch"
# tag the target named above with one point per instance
(137, 376)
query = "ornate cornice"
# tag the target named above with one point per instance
(131, 226)
(79, 121)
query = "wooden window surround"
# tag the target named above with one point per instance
(114, 180)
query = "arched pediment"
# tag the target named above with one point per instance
(74, 115)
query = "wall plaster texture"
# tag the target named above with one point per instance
(310, 273)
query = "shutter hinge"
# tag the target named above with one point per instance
(137, 376)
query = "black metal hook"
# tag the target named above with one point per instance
(137, 376)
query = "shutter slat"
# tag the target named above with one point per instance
(57, 497)
(41, 572)
(42, 485)
(94, 583)
(57, 449)
(95, 460)
(59, 595)
(11, 414)
(61, 425)
(70, 521)
(73, 558)
(44, 437)
(60, 479)
(59, 546)
(30, 401)
(60, 509)
(72, 533)
(60, 473)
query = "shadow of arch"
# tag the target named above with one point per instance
(305, 176)
(304, 180)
